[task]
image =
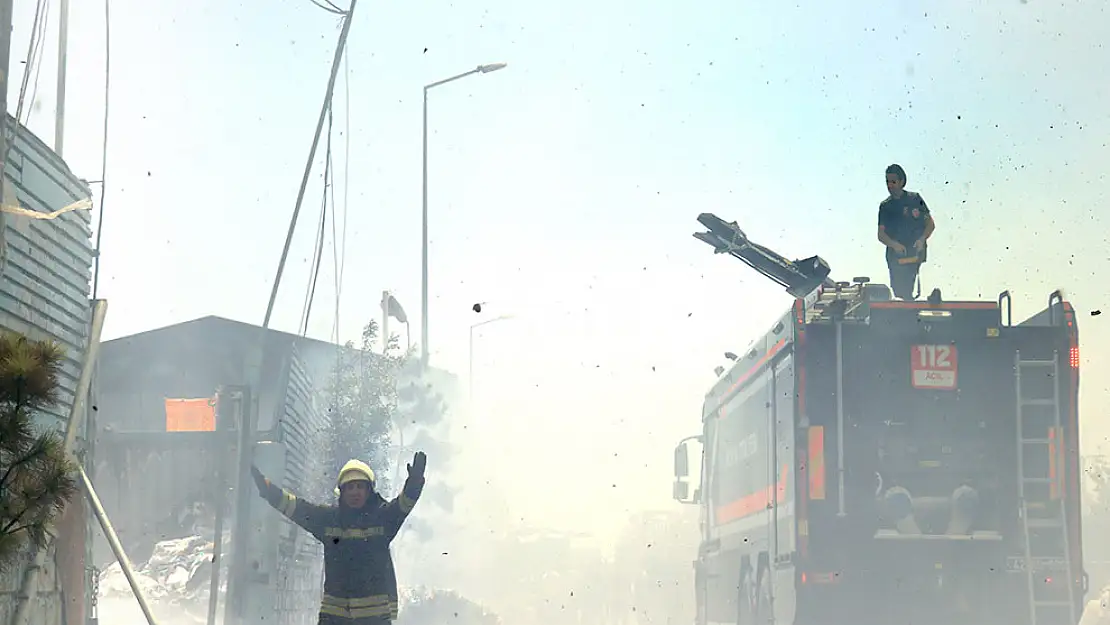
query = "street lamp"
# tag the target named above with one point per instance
(470, 373)
(481, 69)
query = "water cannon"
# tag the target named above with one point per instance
(799, 277)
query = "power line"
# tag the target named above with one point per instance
(308, 166)
(342, 261)
(334, 239)
(329, 173)
(346, 192)
(34, 59)
(318, 252)
(34, 45)
(328, 6)
(346, 164)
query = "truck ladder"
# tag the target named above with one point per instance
(1044, 518)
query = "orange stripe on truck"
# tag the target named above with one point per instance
(756, 502)
(816, 462)
(1054, 480)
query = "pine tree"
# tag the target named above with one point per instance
(36, 476)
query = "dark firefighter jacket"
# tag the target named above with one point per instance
(359, 580)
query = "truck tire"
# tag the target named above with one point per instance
(700, 615)
(745, 601)
(761, 605)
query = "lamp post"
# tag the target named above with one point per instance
(470, 372)
(481, 69)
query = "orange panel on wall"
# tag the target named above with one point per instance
(191, 415)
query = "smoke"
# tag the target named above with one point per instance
(431, 607)
(432, 549)
(475, 535)
(126, 611)
(520, 508)
(424, 417)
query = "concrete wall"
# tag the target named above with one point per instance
(44, 291)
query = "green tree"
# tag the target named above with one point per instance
(361, 398)
(36, 475)
(373, 399)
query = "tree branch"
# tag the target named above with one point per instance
(15, 519)
(16, 530)
(29, 456)
(47, 499)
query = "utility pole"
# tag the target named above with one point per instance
(63, 47)
(239, 567)
(6, 8)
(339, 49)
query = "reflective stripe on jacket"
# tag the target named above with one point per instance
(359, 607)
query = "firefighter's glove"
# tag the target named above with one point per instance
(259, 480)
(416, 469)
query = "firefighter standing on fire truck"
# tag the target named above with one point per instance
(360, 584)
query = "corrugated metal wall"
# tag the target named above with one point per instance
(307, 472)
(44, 291)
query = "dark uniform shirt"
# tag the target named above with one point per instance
(903, 219)
(360, 584)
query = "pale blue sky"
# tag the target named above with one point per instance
(564, 188)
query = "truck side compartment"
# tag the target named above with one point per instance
(749, 480)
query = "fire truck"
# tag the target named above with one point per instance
(874, 462)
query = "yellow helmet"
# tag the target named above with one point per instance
(354, 470)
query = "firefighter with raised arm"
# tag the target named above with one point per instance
(360, 584)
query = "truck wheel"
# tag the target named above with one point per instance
(762, 597)
(700, 594)
(745, 602)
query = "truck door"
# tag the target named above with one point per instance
(781, 402)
